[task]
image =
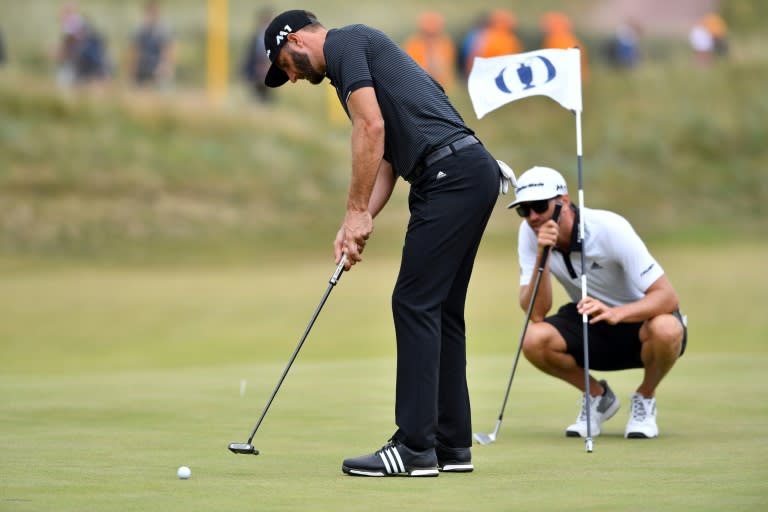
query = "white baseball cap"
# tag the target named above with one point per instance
(538, 183)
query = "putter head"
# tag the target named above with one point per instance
(243, 448)
(485, 438)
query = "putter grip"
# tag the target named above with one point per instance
(555, 217)
(339, 269)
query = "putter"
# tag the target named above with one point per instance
(247, 448)
(481, 437)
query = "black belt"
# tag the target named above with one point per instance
(439, 154)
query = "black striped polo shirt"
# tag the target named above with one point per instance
(418, 117)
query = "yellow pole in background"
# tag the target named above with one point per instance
(218, 56)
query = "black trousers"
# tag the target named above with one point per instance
(450, 204)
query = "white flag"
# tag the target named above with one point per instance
(497, 81)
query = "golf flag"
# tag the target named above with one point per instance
(496, 81)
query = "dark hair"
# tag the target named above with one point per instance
(313, 18)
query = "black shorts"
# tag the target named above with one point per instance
(611, 347)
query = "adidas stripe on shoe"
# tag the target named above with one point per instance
(393, 459)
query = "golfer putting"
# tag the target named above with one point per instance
(403, 125)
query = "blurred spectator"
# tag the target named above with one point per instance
(66, 54)
(255, 62)
(558, 33)
(623, 48)
(433, 49)
(702, 43)
(468, 43)
(709, 37)
(152, 58)
(496, 38)
(92, 64)
(82, 53)
(717, 27)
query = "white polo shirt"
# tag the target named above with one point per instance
(619, 267)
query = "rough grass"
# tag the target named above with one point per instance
(112, 175)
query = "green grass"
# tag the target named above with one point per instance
(127, 178)
(113, 441)
(112, 377)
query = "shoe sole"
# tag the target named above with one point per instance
(639, 435)
(426, 472)
(457, 468)
(610, 413)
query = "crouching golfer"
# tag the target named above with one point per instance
(403, 125)
(634, 321)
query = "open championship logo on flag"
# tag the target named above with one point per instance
(497, 81)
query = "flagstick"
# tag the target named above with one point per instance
(495, 81)
(584, 318)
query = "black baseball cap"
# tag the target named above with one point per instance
(275, 37)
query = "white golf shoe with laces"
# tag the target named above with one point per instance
(642, 418)
(601, 408)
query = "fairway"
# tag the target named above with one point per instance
(112, 378)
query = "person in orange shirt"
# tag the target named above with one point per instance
(497, 38)
(433, 49)
(717, 28)
(558, 33)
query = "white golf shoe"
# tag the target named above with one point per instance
(642, 418)
(601, 408)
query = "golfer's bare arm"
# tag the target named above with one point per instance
(367, 156)
(367, 146)
(659, 298)
(543, 296)
(382, 189)
(547, 237)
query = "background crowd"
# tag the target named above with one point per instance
(83, 54)
(498, 33)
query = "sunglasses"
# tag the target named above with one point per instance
(524, 209)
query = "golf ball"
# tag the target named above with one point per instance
(184, 472)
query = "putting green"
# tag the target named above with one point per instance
(111, 379)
